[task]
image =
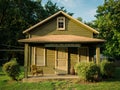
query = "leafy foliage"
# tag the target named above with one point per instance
(79, 18)
(18, 15)
(88, 71)
(108, 23)
(12, 69)
(107, 68)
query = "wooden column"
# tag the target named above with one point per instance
(29, 58)
(26, 53)
(97, 54)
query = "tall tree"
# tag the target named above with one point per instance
(108, 22)
(18, 15)
(15, 16)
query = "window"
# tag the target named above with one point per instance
(61, 23)
(38, 56)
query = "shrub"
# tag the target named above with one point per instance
(107, 68)
(80, 69)
(12, 69)
(88, 71)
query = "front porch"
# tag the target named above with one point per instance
(58, 60)
(61, 53)
(50, 77)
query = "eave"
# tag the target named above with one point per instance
(61, 39)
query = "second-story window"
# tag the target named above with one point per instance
(61, 23)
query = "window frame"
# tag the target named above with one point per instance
(35, 56)
(58, 21)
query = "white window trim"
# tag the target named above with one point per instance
(63, 23)
(43, 56)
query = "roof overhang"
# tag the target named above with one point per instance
(61, 39)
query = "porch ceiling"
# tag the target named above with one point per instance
(60, 39)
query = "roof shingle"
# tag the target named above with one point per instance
(60, 39)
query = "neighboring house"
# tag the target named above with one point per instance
(58, 43)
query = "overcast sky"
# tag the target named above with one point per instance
(81, 8)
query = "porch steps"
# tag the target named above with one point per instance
(49, 77)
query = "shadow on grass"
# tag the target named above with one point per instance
(2, 74)
(116, 77)
(5, 81)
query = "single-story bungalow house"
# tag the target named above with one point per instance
(57, 43)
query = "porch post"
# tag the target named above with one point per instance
(26, 51)
(97, 54)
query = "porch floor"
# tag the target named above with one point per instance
(49, 77)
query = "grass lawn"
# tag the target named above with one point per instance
(111, 84)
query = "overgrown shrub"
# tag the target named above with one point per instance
(107, 68)
(12, 69)
(88, 71)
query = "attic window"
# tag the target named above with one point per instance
(61, 23)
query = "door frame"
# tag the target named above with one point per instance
(66, 59)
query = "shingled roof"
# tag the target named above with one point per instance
(60, 39)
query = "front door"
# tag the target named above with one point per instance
(61, 66)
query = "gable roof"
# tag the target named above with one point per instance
(61, 39)
(68, 16)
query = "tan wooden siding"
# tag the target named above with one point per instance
(33, 56)
(75, 29)
(61, 60)
(73, 57)
(83, 54)
(71, 28)
(50, 61)
(40, 56)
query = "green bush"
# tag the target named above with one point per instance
(80, 69)
(12, 69)
(107, 68)
(88, 71)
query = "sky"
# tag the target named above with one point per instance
(86, 9)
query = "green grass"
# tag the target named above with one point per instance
(27, 86)
(110, 84)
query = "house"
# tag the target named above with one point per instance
(57, 43)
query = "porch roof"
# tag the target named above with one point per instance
(60, 39)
